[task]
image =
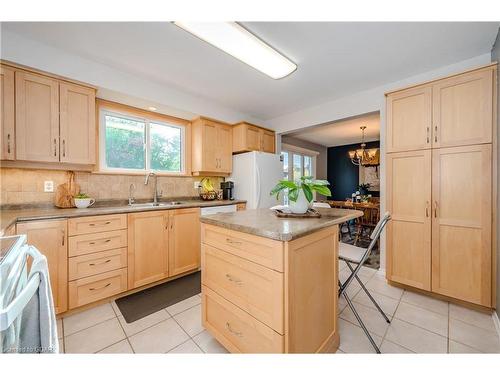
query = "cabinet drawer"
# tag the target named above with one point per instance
(95, 242)
(263, 251)
(235, 329)
(96, 224)
(255, 289)
(94, 288)
(96, 263)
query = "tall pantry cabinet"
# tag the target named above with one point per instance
(440, 179)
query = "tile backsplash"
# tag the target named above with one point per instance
(19, 186)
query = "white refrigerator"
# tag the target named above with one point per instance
(254, 175)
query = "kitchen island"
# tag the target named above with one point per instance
(269, 284)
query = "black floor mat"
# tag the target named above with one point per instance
(149, 301)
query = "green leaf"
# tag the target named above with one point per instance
(323, 190)
(288, 184)
(293, 194)
(279, 187)
(320, 182)
(307, 192)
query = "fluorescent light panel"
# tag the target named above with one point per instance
(240, 43)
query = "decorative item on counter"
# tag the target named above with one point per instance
(363, 188)
(310, 213)
(220, 195)
(207, 191)
(300, 193)
(82, 200)
(65, 192)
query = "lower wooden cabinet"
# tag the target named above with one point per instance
(50, 238)
(184, 241)
(148, 237)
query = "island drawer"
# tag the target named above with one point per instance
(96, 224)
(95, 242)
(255, 289)
(96, 263)
(235, 329)
(95, 288)
(260, 250)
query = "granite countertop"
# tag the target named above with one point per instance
(9, 216)
(264, 222)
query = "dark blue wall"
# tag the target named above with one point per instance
(342, 174)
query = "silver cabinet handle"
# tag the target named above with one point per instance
(99, 224)
(63, 235)
(103, 242)
(435, 133)
(64, 148)
(102, 287)
(435, 208)
(234, 280)
(55, 147)
(99, 264)
(428, 133)
(427, 209)
(236, 333)
(233, 242)
(8, 143)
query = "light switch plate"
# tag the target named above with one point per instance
(196, 184)
(48, 186)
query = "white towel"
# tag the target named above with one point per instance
(38, 327)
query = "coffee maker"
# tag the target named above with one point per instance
(227, 190)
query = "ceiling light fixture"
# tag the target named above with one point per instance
(238, 42)
(152, 108)
(364, 156)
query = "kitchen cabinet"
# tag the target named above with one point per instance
(249, 137)
(50, 238)
(7, 113)
(77, 124)
(441, 195)
(409, 230)
(37, 117)
(46, 119)
(148, 242)
(211, 147)
(463, 109)
(184, 240)
(461, 223)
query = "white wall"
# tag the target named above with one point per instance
(113, 84)
(365, 102)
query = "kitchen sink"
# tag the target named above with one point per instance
(159, 204)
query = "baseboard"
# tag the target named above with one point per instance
(496, 321)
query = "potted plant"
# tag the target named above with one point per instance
(363, 188)
(82, 200)
(300, 193)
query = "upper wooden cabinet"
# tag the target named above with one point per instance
(454, 111)
(184, 244)
(50, 120)
(211, 147)
(37, 117)
(50, 237)
(248, 137)
(77, 124)
(463, 109)
(7, 116)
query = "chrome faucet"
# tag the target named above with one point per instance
(156, 195)
(131, 191)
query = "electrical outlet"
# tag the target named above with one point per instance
(196, 184)
(48, 186)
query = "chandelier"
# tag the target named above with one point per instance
(363, 156)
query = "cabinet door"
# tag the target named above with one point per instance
(409, 230)
(147, 247)
(50, 238)
(210, 143)
(268, 143)
(461, 224)
(409, 120)
(225, 149)
(7, 146)
(463, 109)
(77, 124)
(37, 117)
(184, 249)
(252, 138)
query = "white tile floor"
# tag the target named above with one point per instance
(420, 324)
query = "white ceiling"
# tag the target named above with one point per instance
(334, 59)
(344, 132)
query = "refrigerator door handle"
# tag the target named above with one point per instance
(258, 185)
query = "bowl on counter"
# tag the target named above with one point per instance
(84, 202)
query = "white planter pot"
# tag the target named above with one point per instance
(301, 205)
(84, 203)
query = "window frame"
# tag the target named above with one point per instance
(295, 150)
(136, 114)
